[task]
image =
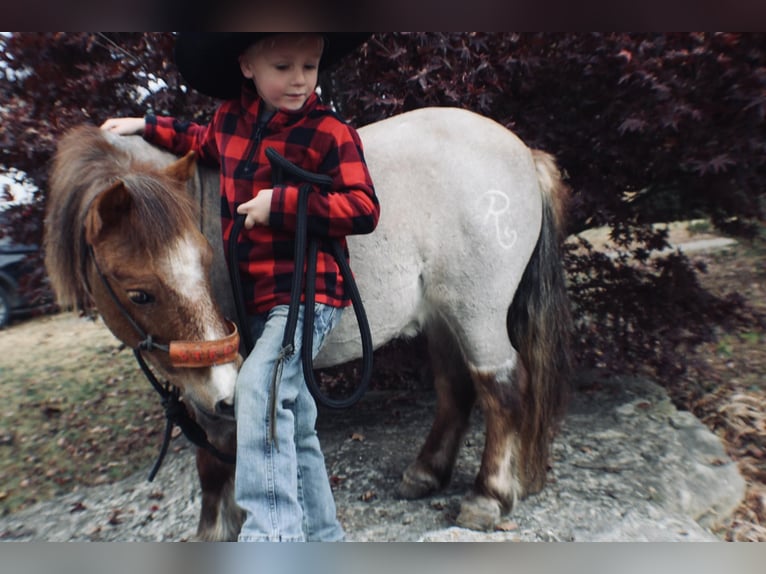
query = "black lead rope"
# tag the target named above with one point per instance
(177, 415)
(282, 169)
(246, 337)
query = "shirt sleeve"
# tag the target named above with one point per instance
(181, 137)
(350, 207)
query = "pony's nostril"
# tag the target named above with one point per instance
(224, 408)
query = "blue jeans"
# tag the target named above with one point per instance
(283, 487)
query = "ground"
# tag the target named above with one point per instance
(725, 386)
(76, 410)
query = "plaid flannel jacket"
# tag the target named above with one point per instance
(314, 138)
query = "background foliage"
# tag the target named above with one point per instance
(646, 127)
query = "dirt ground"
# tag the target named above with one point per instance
(77, 412)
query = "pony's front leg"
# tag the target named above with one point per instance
(500, 481)
(220, 518)
(455, 397)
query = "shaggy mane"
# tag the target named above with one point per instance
(85, 165)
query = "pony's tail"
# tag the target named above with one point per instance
(539, 326)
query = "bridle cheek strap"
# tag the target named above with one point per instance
(206, 353)
(182, 354)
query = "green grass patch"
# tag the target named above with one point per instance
(73, 415)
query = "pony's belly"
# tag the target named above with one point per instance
(388, 321)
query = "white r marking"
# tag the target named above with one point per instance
(499, 204)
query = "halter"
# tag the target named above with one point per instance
(192, 354)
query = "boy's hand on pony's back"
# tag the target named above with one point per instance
(124, 126)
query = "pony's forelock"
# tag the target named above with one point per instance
(84, 166)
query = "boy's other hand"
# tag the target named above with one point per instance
(258, 209)
(124, 126)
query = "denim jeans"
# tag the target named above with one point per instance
(283, 486)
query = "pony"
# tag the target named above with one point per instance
(467, 252)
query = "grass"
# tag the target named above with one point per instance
(76, 411)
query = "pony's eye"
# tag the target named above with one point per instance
(140, 297)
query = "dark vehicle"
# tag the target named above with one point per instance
(14, 265)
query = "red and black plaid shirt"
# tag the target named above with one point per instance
(314, 138)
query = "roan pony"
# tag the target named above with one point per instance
(466, 251)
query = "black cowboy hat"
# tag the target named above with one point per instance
(208, 61)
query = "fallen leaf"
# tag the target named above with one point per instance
(368, 496)
(507, 526)
(50, 411)
(336, 480)
(77, 507)
(114, 517)
(357, 437)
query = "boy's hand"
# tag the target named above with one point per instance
(257, 209)
(124, 126)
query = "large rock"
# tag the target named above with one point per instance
(627, 466)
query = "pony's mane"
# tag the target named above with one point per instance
(85, 165)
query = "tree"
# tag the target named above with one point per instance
(50, 82)
(53, 81)
(647, 127)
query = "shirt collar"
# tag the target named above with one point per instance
(252, 104)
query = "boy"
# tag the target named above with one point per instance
(269, 82)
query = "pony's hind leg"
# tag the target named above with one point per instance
(501, 479)
(455, 397)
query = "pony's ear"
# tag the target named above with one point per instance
(183, 169)
(108, 208)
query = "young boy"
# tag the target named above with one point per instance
(269, 82)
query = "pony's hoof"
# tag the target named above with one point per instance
(479, 513)
(417, 483)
